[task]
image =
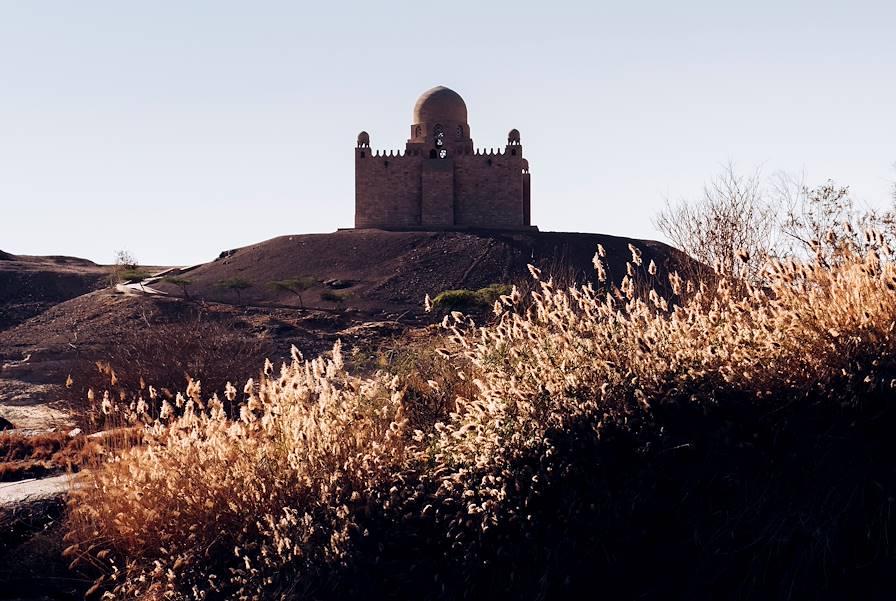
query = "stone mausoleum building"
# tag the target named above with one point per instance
(441, 181)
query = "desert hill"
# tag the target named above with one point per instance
(30, 285)
(385, 272)
(73, 316)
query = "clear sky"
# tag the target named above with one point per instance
(179, 129)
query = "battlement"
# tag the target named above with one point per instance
(510, 150)
(366, 152)
(497, 152)
(394, 153)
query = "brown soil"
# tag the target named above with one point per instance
(30, 285)
(38, 355)
(390, 272)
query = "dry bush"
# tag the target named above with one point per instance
(23, 456)
(166, 355)
(35, 455)
(429, 381)
(258, 503)
(732, 229)
(469, 301)
(823, 221)
(15, 446)
(560, 270)
(610, 441)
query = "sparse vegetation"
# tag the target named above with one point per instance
(469, 300)
(590, 434)
(125, 259)
(732, 229)
(35, 455)
(296, 286)
(182, 283)
(126, 269)
(336, 297)
(165, 355)
(133, 275)
(236, 285)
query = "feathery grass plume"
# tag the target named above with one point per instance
(572, 424)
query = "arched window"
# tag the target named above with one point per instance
(432, 153)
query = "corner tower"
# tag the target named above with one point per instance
(441, 181)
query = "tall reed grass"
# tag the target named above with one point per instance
(605, 439)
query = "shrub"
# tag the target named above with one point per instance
(37, 455)
(133, 275)
(309, 448)
(126, 259)
(429, 381)
(166, 355)
(734, 215)
(335, 297)
(126, 269)
(470, 300)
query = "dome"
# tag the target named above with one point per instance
(440, 104)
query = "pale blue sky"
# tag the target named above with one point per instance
(180, 129)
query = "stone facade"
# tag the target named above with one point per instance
(441, 181)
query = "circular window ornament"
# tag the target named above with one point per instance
(443, 153)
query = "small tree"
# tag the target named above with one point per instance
(732, 228)
(126, 268)
(126, 259)
(824, 222)
(237, 285)
(295, 285)
(337, 298)
(181, 282)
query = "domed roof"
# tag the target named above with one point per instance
(440, 104)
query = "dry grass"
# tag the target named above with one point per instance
(18, 447)
(36, 455)
(166, 355)
(613, 441)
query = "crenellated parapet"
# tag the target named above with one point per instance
(510, 150)
(489, 152)
(396, 153)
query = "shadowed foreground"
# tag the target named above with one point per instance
(614, 441)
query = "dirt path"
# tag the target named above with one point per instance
(13, 493)
(26, 395)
